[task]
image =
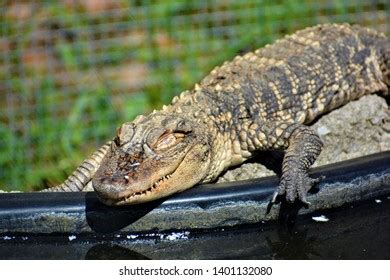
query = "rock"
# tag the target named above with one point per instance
(356, 129)
(359, 128)
(245, 171)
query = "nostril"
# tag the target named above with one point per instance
(105, 180)
(108, 186)
(107, 190)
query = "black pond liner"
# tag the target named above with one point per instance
(225, 215)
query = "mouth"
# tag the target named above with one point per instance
(154, 189)
(135, 196)
(140, 196)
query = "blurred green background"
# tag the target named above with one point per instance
(72, 71)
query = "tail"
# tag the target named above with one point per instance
(83, 174)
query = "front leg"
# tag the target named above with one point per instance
(303, 148)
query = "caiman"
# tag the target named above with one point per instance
(261, 101)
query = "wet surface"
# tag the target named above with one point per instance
(354, 231)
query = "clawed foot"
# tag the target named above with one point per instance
(295, 184)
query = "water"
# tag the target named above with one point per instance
(355, 231)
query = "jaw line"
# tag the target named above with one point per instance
(129, 197)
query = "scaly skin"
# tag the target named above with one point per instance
(260, 101)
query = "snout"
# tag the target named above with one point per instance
(108, 189)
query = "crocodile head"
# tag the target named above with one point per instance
(151, 158)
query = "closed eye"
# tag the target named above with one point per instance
(168, 140)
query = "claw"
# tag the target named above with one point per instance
(318, 179)
(307, 203)
(274, 196)
(297, 190)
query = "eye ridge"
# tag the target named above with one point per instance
(169, 139)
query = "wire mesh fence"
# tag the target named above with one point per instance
(72, 71)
